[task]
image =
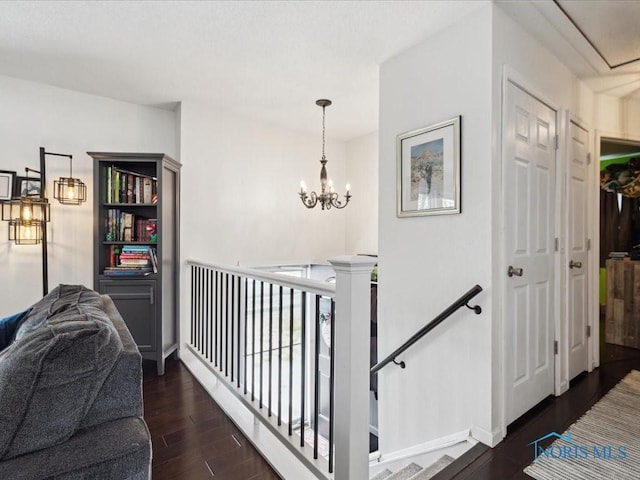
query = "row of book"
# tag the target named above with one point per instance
(124, 186)
(131, 260)
(126, 227)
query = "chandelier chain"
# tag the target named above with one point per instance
(323, 129)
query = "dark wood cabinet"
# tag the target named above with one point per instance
(136, 215)
(622, 314)
(135, 300)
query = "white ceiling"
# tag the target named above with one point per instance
(598, 39)
(265, 59)
(611, 27)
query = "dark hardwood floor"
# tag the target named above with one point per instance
(508, 459)
(192, 437)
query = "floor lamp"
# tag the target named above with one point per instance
(28, 215)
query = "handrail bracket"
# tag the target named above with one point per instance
(475, 308)
(401, 363)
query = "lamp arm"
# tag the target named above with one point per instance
(309, 201)
(334, 202)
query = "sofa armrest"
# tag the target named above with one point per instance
(117, 449)
(121, 393)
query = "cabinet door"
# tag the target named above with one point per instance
(135, 300)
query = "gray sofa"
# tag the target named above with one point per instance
(71, 393)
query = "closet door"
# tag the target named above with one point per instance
(577, 256)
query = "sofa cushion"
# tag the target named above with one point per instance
(49, 379)
(8, 326)
(61, 298)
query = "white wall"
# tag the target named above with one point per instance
(240, 183)
(68, 122)
(618, 116)
(632, 117)
(609, 114)
(428, 262)
(362, 212)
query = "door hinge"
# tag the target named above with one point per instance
(589, 158)
(555, 347)
(588, 331)
(557, 242)
(557, 142)
(588, 244)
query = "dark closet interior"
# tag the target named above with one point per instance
(619, 247)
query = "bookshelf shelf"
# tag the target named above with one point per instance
(136, 245)
(123, 242)
(127, 205)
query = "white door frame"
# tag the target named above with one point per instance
(511, 75)
(594, 350)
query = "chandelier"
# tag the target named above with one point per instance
(328, 197)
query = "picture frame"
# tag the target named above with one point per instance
(7, 178)
(428, 170)
(27, 187)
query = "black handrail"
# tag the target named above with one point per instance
(462, 301)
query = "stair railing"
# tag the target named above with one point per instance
(463, 301)
(260, 333)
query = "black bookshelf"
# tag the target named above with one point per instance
(136, 217)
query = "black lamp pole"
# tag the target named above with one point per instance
(43, 194)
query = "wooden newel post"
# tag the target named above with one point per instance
(352, 336)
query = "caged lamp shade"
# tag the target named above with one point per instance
(26, 209)
(69, 191)
(25, 232)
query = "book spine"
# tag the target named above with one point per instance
(130, 188)
(108, 184)
(154, 259)
(116, 187)
(147, 190)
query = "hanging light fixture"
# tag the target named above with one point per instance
(27, 209)
(28, 215)
(25, 232)
(328, 197)
(69, 190)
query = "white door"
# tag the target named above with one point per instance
(577, 303)
(529, 136)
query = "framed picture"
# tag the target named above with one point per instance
(429, 170)
(6, 184)
(27, 187)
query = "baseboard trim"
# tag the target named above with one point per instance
(490, 439)
(422, 448)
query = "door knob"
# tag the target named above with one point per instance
(573, 264)
(514, 271)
